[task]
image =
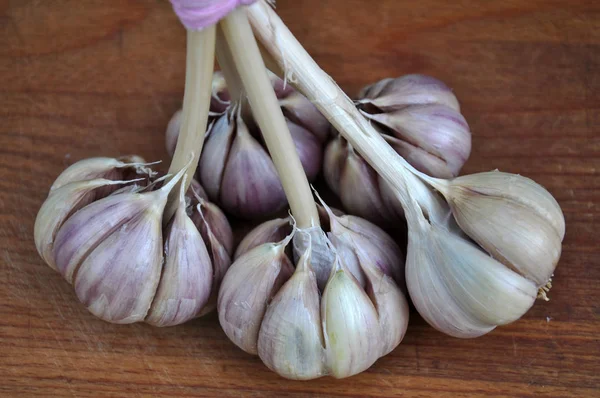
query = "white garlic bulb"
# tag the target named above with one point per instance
(299, 329)
(455, 285)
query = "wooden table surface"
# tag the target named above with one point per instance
(81, 78)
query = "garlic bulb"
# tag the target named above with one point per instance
(297, 332)
(103, 230)
(459, 288)
(320, 318)
(420, 118)
(236, 168)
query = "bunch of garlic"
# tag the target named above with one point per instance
(235, 167)
(420, 118)
(103, 228)
(335, 312)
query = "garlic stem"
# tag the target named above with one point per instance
(196, 102)
(334, 104)
(225, 60)
(269, 117)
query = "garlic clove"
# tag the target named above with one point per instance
(390, 201)
(172, 133)
(117, 280)
(217, 146)
(88, 227)
(374, 90)
(322, 253)
(518, 189)
(187, 274)
(217, 235)
(367, 240)
(215, 221)
(250, 186)
(290, 341)
(308, 148)
(359, 190)
(421, 159)
(124, 168)
(346, 253)
(513, 218)
(459, 289)
(58, 207)
(389, 301)
(437, 130)
(393, 94)
(350, 325)
(247, 287)
(196, 190)
(297, 108)
(334, 161)
(268, 232)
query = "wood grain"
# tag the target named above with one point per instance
(97, 77)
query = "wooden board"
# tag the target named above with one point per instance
(96, 77)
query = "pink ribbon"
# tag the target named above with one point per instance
(198, 14)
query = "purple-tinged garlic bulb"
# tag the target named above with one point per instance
(102, 228)
(335, 312)
(420, 118)
(236, 169)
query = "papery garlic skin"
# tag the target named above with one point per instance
(513, 218)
